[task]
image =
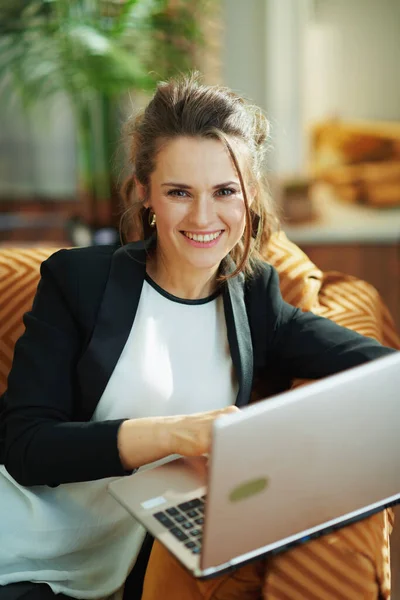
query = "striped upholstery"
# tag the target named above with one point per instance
(351, 564)
(344, 299)
(19, 275)
(300, 279)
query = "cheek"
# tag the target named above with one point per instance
(235, 215)
(169, 217)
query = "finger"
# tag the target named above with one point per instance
(225, 413)
(228, 409)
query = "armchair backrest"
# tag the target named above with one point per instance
(19, 276)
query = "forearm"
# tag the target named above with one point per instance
(56, 453)
(142, 441)
(43, 452)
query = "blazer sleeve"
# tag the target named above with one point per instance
(308, 346)
(42, 442)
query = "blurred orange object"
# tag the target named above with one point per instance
(361, 160)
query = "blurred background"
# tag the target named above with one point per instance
(325, 72)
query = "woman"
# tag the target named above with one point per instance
(130, 353)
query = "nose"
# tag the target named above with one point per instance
(203, 211)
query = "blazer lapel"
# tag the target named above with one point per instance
(114, 322)
(239, 337)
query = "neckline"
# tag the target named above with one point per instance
(173, 298)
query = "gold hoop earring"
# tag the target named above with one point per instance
(152, 219)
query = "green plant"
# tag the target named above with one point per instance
(94, 51)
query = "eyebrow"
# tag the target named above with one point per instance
(184, 186)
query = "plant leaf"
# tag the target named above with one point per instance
(102, 63)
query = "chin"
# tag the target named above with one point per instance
(204, 263)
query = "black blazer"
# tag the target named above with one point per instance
(81, 317)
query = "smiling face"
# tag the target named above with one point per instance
(196, 196)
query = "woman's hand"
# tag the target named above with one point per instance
(190, 435)
(142, 441)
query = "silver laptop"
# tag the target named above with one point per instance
(281, 471)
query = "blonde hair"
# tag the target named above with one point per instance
(185, 107)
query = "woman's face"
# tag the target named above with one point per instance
(196, 196)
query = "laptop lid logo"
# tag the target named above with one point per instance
(249, 488)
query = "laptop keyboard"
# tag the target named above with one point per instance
(185, 522)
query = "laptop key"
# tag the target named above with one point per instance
(195, 532)
(199, 521)
(180, 518)
(196, 550)
(192, 513)
(185, 506)
(187, 525)
(190, 545)
(172, 512)
(179, 534)
(162, 517)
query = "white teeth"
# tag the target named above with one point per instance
(202, 238)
